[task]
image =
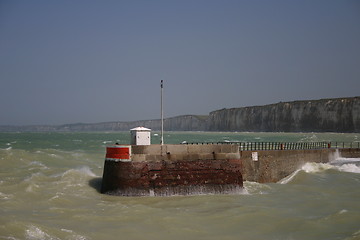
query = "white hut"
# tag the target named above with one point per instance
(140, 136)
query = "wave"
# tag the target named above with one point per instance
(4, 196)
(83, 170)
(86, 170)
(36, 232)
(255, 188)
(32, 187)
(345, 164)
(337, 163)
(289, 178)
(349, 168)
(336, 158)
(37, 164)
(8, 148)
(312, 167)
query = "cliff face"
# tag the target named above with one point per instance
(180, 123)
(325, 115)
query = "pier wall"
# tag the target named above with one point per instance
(204, 168)
(174, 169)
(350, 152)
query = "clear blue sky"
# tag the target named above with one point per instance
(97, 61)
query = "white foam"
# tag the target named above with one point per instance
(336, 162)
(289, 178)
(345, 164)
(37, 163)
(312, 167)
(343, 211)
(34, 232)
(4, 196)
(33, 175)
(346, 160)
(55, 156)
(77, 154)
(57, 195)
(336, 158)
(255, 188)
(309, 167)
(87, 171)
(84, 170)
(31, 188)
(349, 168)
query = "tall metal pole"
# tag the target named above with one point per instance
(162, 115)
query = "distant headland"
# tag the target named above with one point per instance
(323, 115)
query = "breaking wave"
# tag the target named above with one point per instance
(349, 168)
(350, 165)
(83, 170)
(345, 164)
(255, 188)
(36, 232)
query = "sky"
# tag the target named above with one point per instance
(97, 61)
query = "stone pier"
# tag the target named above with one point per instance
(174, 169)
(203, 169)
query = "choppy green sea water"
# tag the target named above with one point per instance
(49, 190)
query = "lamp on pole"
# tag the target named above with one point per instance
(162, 115)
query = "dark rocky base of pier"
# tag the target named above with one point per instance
(172, 178)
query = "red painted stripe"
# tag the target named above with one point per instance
(118, 152)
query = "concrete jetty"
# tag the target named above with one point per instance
(202, 168)
(142, 169)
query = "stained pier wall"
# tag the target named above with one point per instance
(174, 169)
(207, 168)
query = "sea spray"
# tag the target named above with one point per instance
(345, 164)
(351, 168)
(337, 162)
(289, 178)
(255, 188)
(312, 167)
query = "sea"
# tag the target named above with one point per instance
(50, 183)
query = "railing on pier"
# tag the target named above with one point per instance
(251, 146)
